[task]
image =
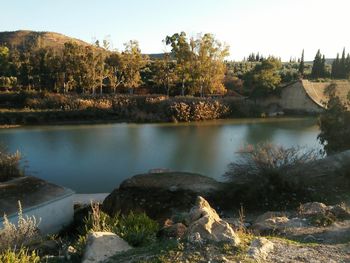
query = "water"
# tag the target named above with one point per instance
(97, 158)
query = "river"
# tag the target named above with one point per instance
(97, 158)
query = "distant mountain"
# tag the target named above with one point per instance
(22, 38)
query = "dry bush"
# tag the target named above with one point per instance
(9, 164)
(259, 178)
(256, 162)
(14, 236)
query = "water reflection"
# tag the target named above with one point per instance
(96, 158)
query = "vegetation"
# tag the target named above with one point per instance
(9, 164)
(259, 173)
(136, 228)
(14, 236)
(19, 256)
(335, 124)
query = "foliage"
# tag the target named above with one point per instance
(19, 256)
(259, 173)
(319, 66)
(341, 66)
(136, 228)
(9, 164)
(264, 79)
(334, 124)
(14, 236)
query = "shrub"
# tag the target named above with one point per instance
(137, 229)
(259, 173)
(9, 164)
(25, 232)
(20, 256)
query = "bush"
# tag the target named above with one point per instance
(259, 173)
(9, 165)
(136, 228)
(20, 256)
(14, 236)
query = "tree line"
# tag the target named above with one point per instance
(194, 66)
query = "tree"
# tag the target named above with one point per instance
(164, 73)
(134, 62)
(264, 79)
(4, 60)
(319, 66)
(302, 64)
(115, 67)
(334, 123)
(210, 66)
(182, 52)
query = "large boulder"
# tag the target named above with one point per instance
(103, 245)
(161, 195)
(206, 223)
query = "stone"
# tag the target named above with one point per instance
(205, 221)
(164, 194)
(276, 222)
(340, 212)
(103, 245)
(313, 209)
(260, 249)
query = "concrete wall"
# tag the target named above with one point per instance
(292, 98)
(53, 215)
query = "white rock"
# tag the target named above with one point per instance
(205, 221)
(102, 245)
(260, 248)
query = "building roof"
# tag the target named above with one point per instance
(316, 90)
(31, 192)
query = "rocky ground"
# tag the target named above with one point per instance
(314, 233)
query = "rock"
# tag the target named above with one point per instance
(164, 194)
(313, 209)
(276, 222)
(195, 238)
(176, 230)
(340, 212)
(205, 221)
(102, 245)
(260, 249)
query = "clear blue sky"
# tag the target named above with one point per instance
(279, 27)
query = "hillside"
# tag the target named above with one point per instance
(22, 38)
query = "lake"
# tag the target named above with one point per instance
(97, 158)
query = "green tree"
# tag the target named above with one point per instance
(264, 79)
(319, 66)
(164, 73)
(302, 64)
(182, 52)
(134, 62)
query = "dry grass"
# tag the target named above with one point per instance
(13, 236)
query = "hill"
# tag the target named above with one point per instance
(23, 38)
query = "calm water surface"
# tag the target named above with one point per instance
(96, 158)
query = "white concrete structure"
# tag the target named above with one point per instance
(50, 204)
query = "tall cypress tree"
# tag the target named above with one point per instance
(317, 65)
(302, 64)
(342, 66)
(335, 67)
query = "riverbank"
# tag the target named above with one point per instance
(31, 108)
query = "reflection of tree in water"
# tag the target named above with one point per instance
(257, 133)
(194, 148)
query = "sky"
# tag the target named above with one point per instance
(272, 27)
